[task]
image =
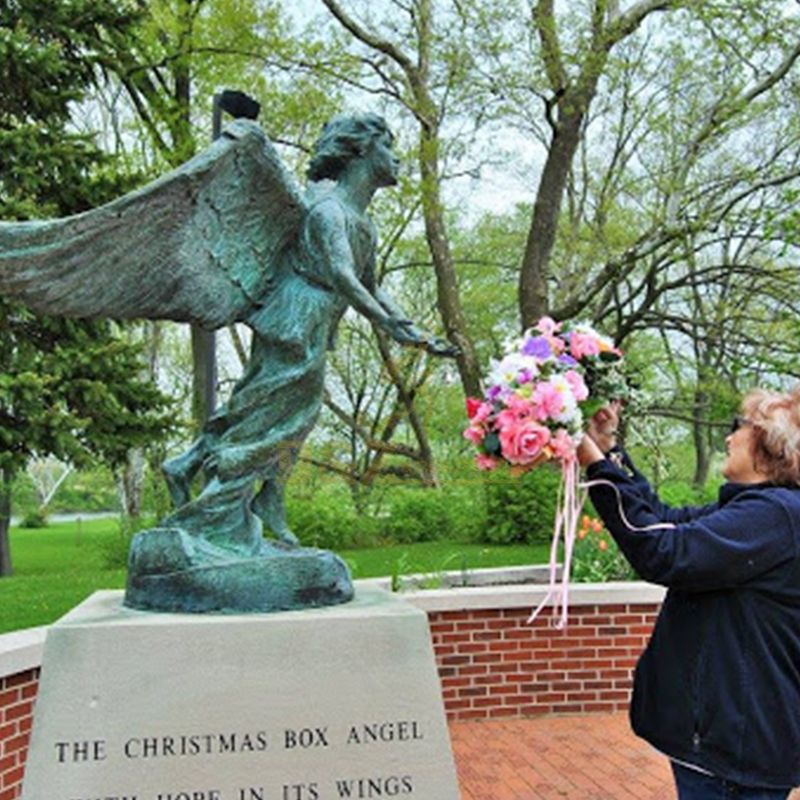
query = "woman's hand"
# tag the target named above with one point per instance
(601, 434)
(604, 424)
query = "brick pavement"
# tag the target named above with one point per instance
(592, 757)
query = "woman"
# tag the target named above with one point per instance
(718, 686)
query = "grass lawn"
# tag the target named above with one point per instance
(58, 566)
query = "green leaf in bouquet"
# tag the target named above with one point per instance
(592, 405)
(491, 444)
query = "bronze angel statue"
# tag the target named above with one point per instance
(228, 237)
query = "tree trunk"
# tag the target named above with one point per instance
(130, 483)
(447, 291)
(5, 524)
(204, 376)
(533, 294)
(702, 454)
(204, 355)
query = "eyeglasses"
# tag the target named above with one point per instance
(739, 422)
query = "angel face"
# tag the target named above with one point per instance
(381, 157)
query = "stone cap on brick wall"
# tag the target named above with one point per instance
(506, 588)
(487, 589)
(21, 650)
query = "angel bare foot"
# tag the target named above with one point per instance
(269, 506)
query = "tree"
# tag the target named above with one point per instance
(406, 62)
(67, 388)
(723, 337)
(640, 96)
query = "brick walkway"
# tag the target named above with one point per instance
(594, 757)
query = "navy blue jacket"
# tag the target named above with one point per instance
(718, 685)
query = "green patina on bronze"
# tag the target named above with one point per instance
(228, 237)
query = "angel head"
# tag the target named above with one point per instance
(346, 138)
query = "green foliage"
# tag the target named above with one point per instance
(488, 259)
(67, 388)
(35, 519)
(87, 491)
(596, 557)
(70, 388)
(422, 515)
(48, 53)
(115, 549)
(681, 493)
(330, 521)
(397, 515)
(520, 509)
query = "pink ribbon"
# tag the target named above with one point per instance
(568, 510)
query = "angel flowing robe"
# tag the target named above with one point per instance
(257, 435)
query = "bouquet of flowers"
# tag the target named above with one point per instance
(533, 411)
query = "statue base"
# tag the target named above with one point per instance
(168, 570)
(323, 704)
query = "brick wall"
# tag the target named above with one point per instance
(492, 663)
(17, 695)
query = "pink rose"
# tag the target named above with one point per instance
(482, 413)
(521, 443)
(548, 401)
(576, 384)
(474, 434)
(517, 409)
(562, 446)
(485, 462)
(583, 344)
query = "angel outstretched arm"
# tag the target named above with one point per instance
(328, 236)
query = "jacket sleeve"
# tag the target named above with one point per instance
(730, 546)
(664, 512)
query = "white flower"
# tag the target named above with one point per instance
(506, 371)
(570, 409)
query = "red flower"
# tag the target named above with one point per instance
(473, 404)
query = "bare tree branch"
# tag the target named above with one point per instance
(370, 39)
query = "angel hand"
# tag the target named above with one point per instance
(404, 331)
(441, 347)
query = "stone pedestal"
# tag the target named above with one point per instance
(339, 702)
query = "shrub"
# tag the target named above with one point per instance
(330, 522)
(680, 493)
(114, 550)
(422, 515)
(35, 519)
(520, 509)
(596, 557)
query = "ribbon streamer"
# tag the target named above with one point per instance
(568, 508)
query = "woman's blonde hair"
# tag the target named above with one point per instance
(775, 418)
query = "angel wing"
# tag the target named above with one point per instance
(198, 245)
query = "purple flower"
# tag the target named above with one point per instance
(525, 376)
(494, 392)
(538, 347)
(567, 360)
